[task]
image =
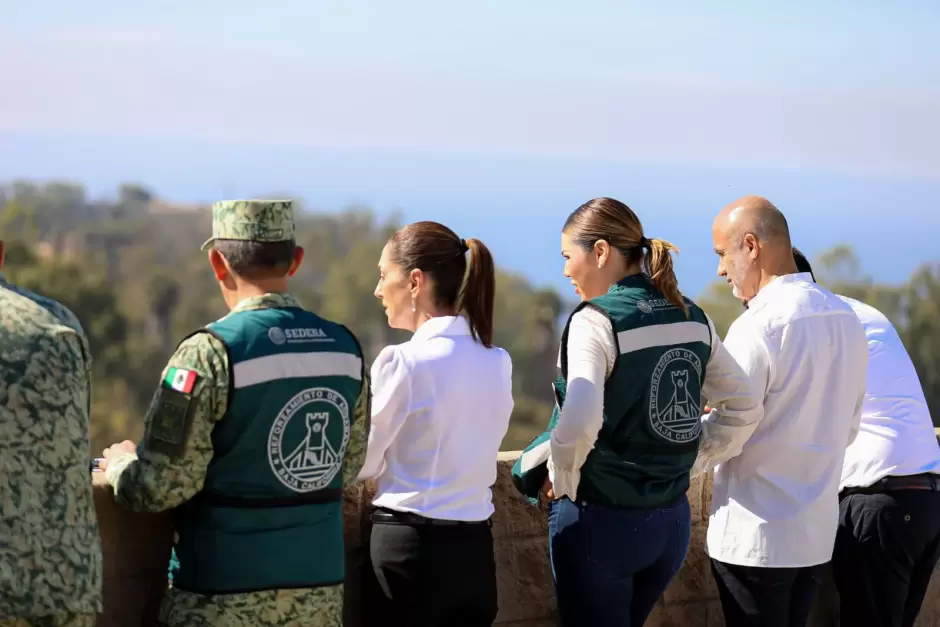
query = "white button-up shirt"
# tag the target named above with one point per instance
(896, 437)
(440, 409)
(776, 503)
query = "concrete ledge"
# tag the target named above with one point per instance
(137, 549)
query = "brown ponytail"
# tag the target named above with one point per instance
(611, 220)
(659, 267)
(458, 285)
(479, 291)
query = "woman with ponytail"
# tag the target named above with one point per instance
(440, 408)
(636, 360)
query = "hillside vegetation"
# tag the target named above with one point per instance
(132, 271)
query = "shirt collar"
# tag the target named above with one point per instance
(271, 300)
(770, 288)
(441, 325)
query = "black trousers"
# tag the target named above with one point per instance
(431, 575)
(766, 597)
(886, 548)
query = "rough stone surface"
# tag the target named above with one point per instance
(136, 553)
(136, 548)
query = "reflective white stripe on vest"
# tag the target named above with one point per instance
(293, 365)
(535, 457)
(662, 335)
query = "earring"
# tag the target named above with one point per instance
(413, 306)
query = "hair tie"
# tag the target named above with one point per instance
(463, 246)
(645, 243)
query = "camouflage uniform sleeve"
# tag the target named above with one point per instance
(171, 463)
(359, 433)
(68, 317)
(89, 361)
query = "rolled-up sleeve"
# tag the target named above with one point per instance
(736, 380)
(391, 399)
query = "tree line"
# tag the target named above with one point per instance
(131, 269)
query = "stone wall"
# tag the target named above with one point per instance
(520, 532)
(136, 549)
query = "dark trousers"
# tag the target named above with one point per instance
(431, 575)
(754, 596)
(610, 566)
(886, 548)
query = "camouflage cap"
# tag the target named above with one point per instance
(253, 220)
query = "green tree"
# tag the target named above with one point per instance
(132, 271)
(921, 331)
(721, 306)
(92, 300)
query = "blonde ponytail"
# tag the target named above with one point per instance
(659, 266)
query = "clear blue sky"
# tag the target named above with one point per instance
(499, 118)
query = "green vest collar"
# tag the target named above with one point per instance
(271, 300)
(640, 279)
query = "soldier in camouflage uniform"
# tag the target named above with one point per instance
(50, 551)
(259, 421)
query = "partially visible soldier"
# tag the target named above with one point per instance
(258, 422)
(50, 551)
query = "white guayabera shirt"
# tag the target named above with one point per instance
(775, 504)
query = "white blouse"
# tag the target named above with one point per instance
(440, 409)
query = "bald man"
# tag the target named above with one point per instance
(775, 505)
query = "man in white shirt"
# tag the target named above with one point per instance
(888, 541)
(775, 503)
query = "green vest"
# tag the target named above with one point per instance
(652, 402)
(270, 513)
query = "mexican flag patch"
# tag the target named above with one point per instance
(180, 380)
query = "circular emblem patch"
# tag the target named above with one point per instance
(675, 396)
(644, 306)
(276, 335)
(300, 450)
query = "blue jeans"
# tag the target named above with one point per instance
(611, 565)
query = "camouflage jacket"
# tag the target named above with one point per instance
(50, 550)
(314, 607)
(154, 481)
